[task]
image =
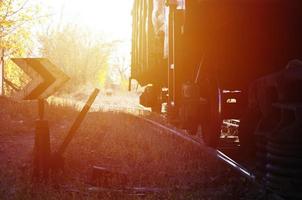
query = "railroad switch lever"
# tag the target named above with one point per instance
(57, 159)
(43, 160)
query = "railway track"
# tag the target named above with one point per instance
(226, 153)
(197, 141)
(223, 153)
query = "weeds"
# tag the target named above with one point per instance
(113, 139)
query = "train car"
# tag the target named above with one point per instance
(217, 63)
(201, 56)
(148, 46)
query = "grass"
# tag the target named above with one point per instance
(150, 157)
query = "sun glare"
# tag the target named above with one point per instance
(108, 20)
(112, 17)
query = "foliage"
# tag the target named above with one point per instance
(16, 20)
(79, 53)
(120, 70)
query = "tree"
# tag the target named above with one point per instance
(16, 20)
(80, 54)
(120, 71)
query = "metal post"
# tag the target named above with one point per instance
(41, 160)
(171, 56)
(41, 151)
(171, 109)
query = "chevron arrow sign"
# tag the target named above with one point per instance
(46, 78)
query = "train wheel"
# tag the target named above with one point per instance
(188, 114)
(189, 111)
(151, 97)
(211, 112)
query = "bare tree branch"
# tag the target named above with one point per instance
(19, 9)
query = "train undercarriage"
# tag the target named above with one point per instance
(228, 68)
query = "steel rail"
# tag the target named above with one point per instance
(235, 165)
(214, 152)
(199, 143)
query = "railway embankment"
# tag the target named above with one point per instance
(157, 166)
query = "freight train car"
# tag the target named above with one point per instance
(201, 56)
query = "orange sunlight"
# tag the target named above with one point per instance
(112, 17)
(108, 20)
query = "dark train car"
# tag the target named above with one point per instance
(206, 53)
(148, 60)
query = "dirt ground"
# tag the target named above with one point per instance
(157, 165)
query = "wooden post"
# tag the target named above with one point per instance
(57, 160)
(41, 150)
(78, 121)
(42, 146)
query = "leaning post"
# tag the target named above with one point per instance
(57, 160)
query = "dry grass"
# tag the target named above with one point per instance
(118, 140)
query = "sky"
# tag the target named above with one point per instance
(112, 17)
